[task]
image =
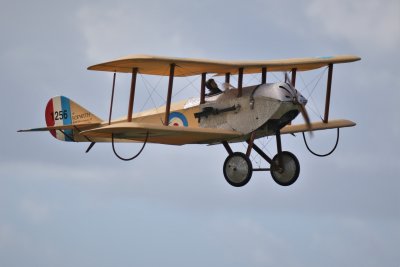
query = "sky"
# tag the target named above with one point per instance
(172, 206)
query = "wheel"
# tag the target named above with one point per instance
(237, 169)
(289, 173)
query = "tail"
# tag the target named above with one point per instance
(61, 111)
(65, 118)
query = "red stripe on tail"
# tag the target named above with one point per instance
(49, 115)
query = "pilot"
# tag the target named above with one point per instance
(212, 87)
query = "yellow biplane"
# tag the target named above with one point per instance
(235, 114)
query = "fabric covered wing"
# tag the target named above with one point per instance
(316, 126)
(171, 135)
(156, 65)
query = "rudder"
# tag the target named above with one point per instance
(61, 111)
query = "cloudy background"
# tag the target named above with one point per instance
(172, 206)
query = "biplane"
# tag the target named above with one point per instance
(233, 114)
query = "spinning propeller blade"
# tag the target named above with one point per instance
(304, 113)
(302, 106)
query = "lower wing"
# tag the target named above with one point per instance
(154, 133)
(317, 126)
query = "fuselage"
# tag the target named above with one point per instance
(263, 108)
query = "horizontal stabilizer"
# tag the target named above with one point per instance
(172, 135)
(61, 127)
(316, 126)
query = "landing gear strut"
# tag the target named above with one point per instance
(285, 167)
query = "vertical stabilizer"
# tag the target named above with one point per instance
(61, 111)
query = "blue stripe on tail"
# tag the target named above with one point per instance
(67, 118)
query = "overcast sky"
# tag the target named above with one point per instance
(172, 206)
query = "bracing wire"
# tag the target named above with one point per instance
(276, 77)
(147, 85)
(190, 83)
(317, 78)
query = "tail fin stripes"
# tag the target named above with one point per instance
(61, 111)
(58, 113)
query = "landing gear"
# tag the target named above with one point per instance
(237, 169)
(285, 167)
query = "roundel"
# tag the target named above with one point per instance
(177, 119)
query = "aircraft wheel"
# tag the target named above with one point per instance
(237, 169)
(289, 173)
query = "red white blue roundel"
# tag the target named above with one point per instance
(177, 119)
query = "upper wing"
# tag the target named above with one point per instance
(171, 135)
(316, 126)
(156, 65)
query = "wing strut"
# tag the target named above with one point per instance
(227, 77)
(294, 70)
(203, 88)
(264, 75)
(112, 99)
(132, 94)
(169, 95)
(240, 82)
(328, 92)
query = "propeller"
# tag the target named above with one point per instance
(301, 105)
(304, 112)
